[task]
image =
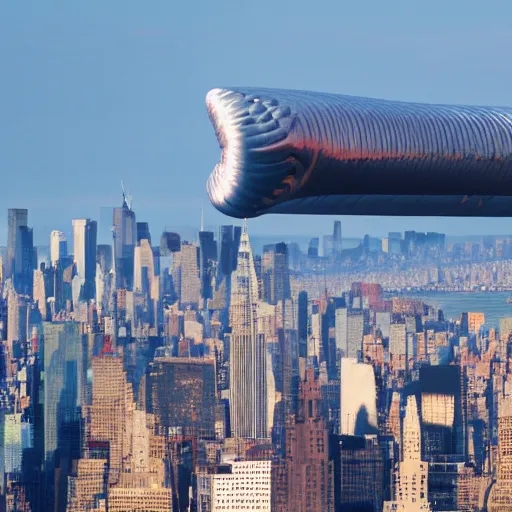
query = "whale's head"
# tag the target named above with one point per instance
(257, 167)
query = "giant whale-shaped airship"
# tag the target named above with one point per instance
(297, 152)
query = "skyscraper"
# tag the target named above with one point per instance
(16, 325)
(58, 246)
(64, 389)
(125, 239)
(185, 274)
(307, 453)
(16, 218)
(84, 255)
(363, 474)
(303, 324)
(110, 414)
(248, 395)
(358, 406)
(276, 273)
(207, 258)
(355, 331)
(190, 406)
(25, 262)
(336, 241)
(143, 232)
(412, 476)
(39, 293)
(500, 498)
(242, 485)
(443, 431)
(144, 267)
(313, 247)
(398, 345)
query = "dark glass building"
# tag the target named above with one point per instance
(207, 260)
(125, 238)
(181, 393)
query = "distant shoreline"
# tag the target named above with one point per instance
(423, 291)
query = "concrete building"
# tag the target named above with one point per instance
(58, 247)
(398, 346)
(140, 499)
(245, 486)
(88, 486)
(500, 497)
(355, 331)
(505, 327)
(190, 407)
(308, 477)
(358, 403)
(39, 293)
(109, 417)
(275, 273)
(411, 486)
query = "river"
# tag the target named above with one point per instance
(492, 304)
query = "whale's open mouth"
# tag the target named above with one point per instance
(256, 166)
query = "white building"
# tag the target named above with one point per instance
(358, 403)
(246, 487)
(58, 246)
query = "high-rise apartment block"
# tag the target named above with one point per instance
(187, 282)
(243, 485)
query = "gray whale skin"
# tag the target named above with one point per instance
(315, 153)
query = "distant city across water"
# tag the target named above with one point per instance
(492, 304)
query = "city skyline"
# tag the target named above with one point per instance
(162, 374)
(159, 356)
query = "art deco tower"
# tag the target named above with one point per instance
(412, 475)
(248, 402)
(499, 497)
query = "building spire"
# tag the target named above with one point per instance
(202, 219)
(244, 229)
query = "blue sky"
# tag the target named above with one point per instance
(93, 92)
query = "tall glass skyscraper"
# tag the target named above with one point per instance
(58, 246)
(207, 257)
(84, 255)
(64, 390)
(125, 239)
(16, 218)
(25, 260)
